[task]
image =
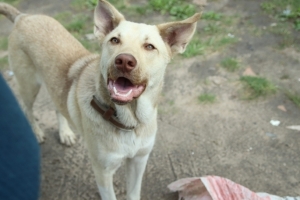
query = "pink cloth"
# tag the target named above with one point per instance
(215, 188)
(223, 189)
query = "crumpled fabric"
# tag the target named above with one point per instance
(217, 188)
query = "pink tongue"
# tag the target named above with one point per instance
(122, 84)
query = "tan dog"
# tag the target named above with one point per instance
(111, 98)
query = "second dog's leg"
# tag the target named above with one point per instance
(29, 86)
(66, 135)
(135, 169)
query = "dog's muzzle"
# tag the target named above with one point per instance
(121, 87)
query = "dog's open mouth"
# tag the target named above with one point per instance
(123, 90)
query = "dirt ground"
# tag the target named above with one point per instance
(232, 138)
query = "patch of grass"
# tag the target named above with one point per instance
(206, 45)
(223, 41)
(257, 86)
(77, 24)
(207, 98)
(294, 98)
(211, 15)
(212, 28)
(63, 17)
(91, 4)
(9, 1)
(268, 6)
(3, 43)
(180, 9)
(3, 63)
(287, 10)
(196, 47)
(230, 64)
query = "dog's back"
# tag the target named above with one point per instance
(41, 50)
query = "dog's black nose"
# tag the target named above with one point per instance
(125, 62)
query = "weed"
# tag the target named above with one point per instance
(294, 98)
(207, 98)
(224, 41)
(230, 64)
(268, 6)
(211, 16)
(257, 86)
(212, 28)
(196, 47)
(177, 8)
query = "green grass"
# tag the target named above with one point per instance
(213, 28)
(207, 98)
(286, 11)
(3, 63)
(230, 64)
(180, 9)
(257, 86)
(211, 15)
(3, 43)
(196, 47)
(294, 98)
(77, 24)
(207, 45)
(9, 1)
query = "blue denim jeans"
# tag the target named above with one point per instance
(19, 151)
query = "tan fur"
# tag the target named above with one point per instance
(42, 51)
(10, 12)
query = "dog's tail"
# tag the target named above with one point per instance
(9, 11)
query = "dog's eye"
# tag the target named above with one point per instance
(114, 40)
(149, 47)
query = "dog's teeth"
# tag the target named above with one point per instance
(128, 93)
(123, 95)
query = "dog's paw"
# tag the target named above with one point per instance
(40, 138)
(68, 138)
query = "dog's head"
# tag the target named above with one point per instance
(134, 56)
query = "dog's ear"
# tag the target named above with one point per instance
(178, 34)
(106, 18)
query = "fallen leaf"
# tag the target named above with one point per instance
(282, 108)
(249, 72)
(295, 127)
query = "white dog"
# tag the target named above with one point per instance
(111, 98)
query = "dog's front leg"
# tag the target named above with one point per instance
(135, 169)
(104, 181)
